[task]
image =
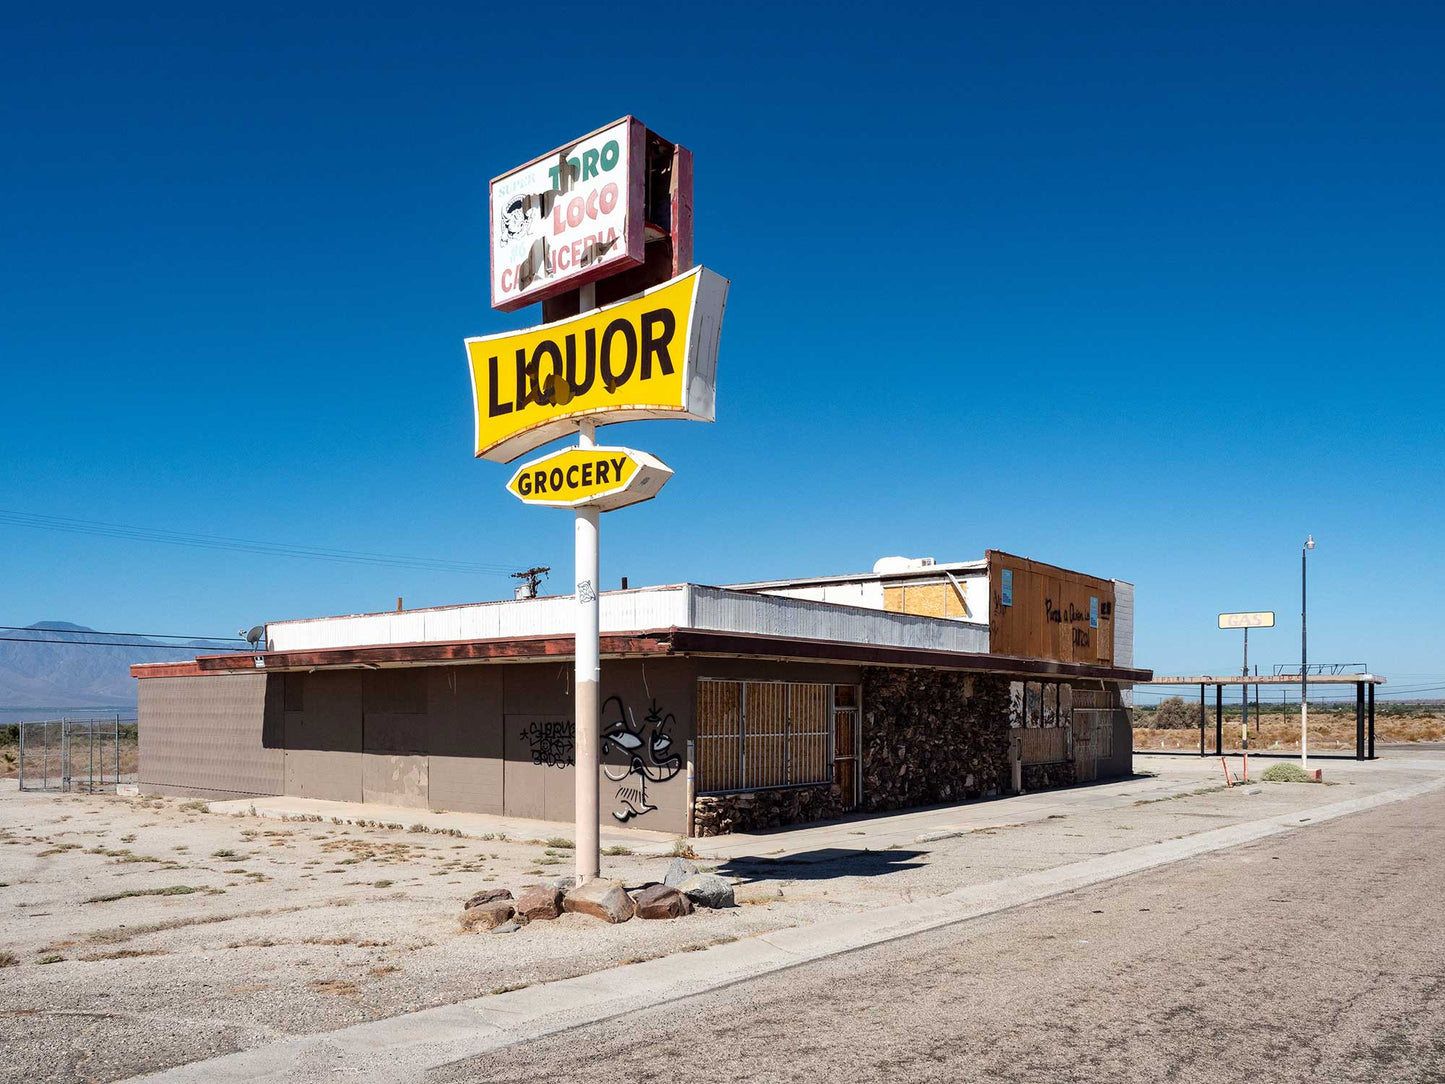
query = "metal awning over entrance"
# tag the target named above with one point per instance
(1364, 701)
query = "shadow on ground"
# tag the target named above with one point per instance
(822, 864)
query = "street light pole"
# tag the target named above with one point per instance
(1304, 667)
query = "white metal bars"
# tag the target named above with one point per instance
(758, 734)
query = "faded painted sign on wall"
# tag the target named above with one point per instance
(569, 217)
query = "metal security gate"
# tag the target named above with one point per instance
(754, 735)
(75, 754)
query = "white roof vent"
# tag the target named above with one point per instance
(890, 565)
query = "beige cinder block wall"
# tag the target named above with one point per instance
(211, 737)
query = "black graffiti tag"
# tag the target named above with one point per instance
(552, 743)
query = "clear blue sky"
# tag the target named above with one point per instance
(1147, 290)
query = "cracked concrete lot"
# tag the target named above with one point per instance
(145, 933)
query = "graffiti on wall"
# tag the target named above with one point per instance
(552, 743)
(647, 747)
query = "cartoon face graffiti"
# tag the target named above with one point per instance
(646, 748)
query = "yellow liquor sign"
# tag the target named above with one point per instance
(653, 356)
(601, 478)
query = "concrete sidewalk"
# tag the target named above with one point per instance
(1158, 777)
(879, 831)
(862, 831)
(473, 825)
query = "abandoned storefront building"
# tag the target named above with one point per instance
(724, 709)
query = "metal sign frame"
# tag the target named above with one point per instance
(600, 260)
(504, 430)
(1252, 619)
(647, 477)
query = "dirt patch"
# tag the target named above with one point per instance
(1328, 731)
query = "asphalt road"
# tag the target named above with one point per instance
(1316, 955)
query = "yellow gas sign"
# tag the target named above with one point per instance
(653, 356)
(602, 478)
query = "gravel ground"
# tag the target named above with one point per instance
(288, 927)
(302, 926)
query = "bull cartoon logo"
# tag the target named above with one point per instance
(647, 748)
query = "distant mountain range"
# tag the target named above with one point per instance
(74, 668)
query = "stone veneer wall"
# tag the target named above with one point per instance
(716, 815)
(932, 736)
(929, 736)
(1044, 776)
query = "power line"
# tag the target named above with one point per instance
(97, 632)
(116, 643)
(243, 545)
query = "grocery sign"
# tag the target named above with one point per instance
(1263, 619)
(601, 478)
(570, 217)
(653, 356)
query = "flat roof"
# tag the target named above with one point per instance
(637, 644)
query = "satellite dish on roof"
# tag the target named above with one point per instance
(255, 636)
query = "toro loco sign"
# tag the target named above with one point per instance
(570, 217)
(654, 356)
(601, 478)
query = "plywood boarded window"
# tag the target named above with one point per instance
(758, 734)
(1047, 717)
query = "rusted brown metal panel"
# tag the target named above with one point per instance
(164, 669)
(696, 641)
(518, 649)
(681, 210)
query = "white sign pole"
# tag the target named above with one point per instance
(585, 682)
(588, 666)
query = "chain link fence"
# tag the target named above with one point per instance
(81, 755)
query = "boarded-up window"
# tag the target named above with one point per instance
(757, 734)
(293, 692)
(400, 691)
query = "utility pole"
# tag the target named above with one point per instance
(1304, 658)
(531, 576)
